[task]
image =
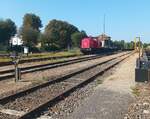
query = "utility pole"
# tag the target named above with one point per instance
(103, 35)
(135, 44)
(104, 25)
(139, 46)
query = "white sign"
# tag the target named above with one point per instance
(26, 50)
(17, 41)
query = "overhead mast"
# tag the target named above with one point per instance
(104, 24)
(103, 35)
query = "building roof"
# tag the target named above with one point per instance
(104, 37)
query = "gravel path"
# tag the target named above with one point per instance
(110, 100)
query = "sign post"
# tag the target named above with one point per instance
(139, 46)
(16, 48)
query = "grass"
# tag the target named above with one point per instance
(135, 91)
(5, 59)
(40, 80)
(111, 78)
(99, 81)
(3, 52)
(45, 55)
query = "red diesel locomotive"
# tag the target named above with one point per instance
(94, 45)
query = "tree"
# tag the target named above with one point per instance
(7, 30)
(58, 33)
(131, 45)
(49, 41)
(30, 31)
(145, 45)
(77, 37)
(32, 21)
(30, 36)
(139, 44)
(124, 45)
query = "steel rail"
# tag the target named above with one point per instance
(36, 60)
(42, 107)
(11, 97)
(41, 67)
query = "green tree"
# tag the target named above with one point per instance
(124, 45)
(30, 31)
(30, 36)
(145, 45)
(120, 44)
(7, 30)
(131, 45)
(32, 21)
(139, 44)
(49, 41)
(77, 37)
(58, 33)
(117, 44)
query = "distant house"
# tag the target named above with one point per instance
(105, 40)
(104, 37)
(39, 45)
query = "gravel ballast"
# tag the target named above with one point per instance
(41, 76)
(140, 109)
(75, 106)
(110, 100)
(27, 103)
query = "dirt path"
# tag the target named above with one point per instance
(110, 99)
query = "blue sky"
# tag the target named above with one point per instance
(125, 19)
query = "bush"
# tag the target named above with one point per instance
(51, 48)
(3, 48)
(34, 50)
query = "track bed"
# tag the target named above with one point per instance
(34, 101)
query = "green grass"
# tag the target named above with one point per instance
(45, 55)
(5, 59)
(3, 52)
(111, 78)
(135, 91)
(99, 81)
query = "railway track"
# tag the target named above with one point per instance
(36, 59)
(4, 55)
(30, 103)
(5, 74)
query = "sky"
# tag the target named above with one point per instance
(125, 19)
